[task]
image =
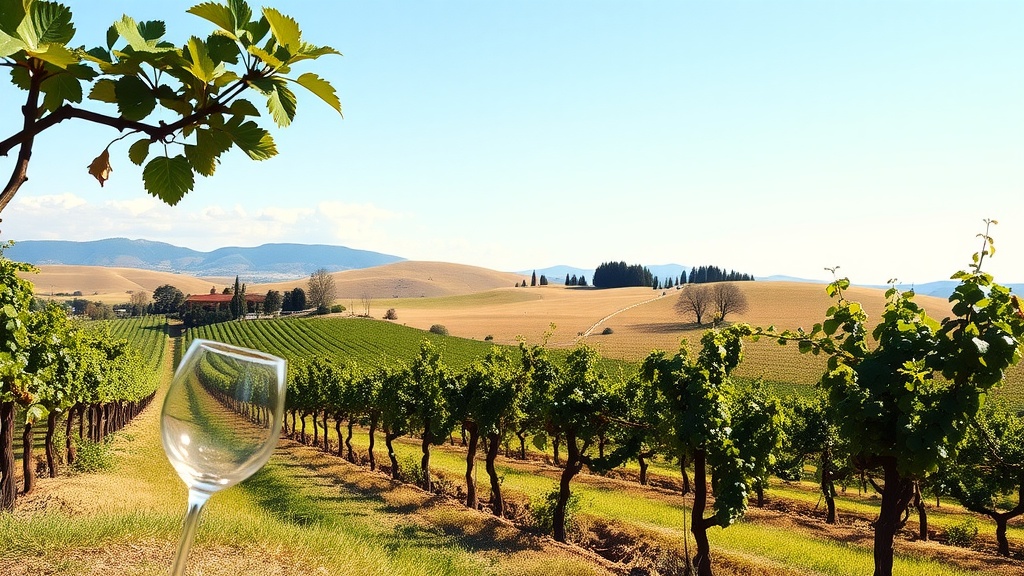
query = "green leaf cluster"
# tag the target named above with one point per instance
(910, 395)
(199, 84)
(701, 422)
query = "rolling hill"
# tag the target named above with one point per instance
(405, 279)
(268, 262)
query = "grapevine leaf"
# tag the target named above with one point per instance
(82, 72)
(11, 17)
(134, 99)
(225, 78)
(202, 66)
(56, 54)
(138, 151)
(240, 12)
(253, 140)
(242, 107)
(112, 36)
(268, 58)
(100, 167)
(51, 23)
(130, 31)
(168, 179)
(152, 30)
(256, 30)
(281, 101)
(10, 45)
(60, 88)
(209, 146)
(311, 52)
(36, 413)
(321, 88)
(284, 28)
(19, 76)
(216, 13)
(540, 442)
(222, 48)
(27, 32)
(182, 107)
(200, 160)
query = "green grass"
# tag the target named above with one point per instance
(766, 544)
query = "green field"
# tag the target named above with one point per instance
(361, 342)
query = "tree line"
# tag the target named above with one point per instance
(620, 275)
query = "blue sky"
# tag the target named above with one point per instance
(766, 137)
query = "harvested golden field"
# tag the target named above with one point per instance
(407, 280)
(402, 279)
(115, 285)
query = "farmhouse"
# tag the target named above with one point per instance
(214, 301)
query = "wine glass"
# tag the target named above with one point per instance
(220, 422)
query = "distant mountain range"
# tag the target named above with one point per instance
(279, 262)
(266, 263)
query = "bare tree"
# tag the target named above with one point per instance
(696, 300)
(727, 299)
(365, 299)
(322, 290)
(138, 301)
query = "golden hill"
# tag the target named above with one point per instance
(401, 279)
(407, 279)
(640, 319)
(114, 285)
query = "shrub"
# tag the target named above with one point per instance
(337, 309)
(391, 314)
(488, 338)
(322, 309)
(92, 456)
(608, 330)
(542, 511)
(439, 329)
(409, 470)
(962, 534)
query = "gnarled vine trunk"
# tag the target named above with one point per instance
(497, 503)
(8, 491)
(337, 430)
(472, 432)
(51, 457)
(698, 523)
(828, 487)
(69, 443)
(896, 496)
(428, 437)
(369, 451)
(389, 437)
(28, 464)
(573, 465)
(348, 441)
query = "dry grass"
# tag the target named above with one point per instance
(406, 280)
(114, 285)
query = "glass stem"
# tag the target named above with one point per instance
(196, 501)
